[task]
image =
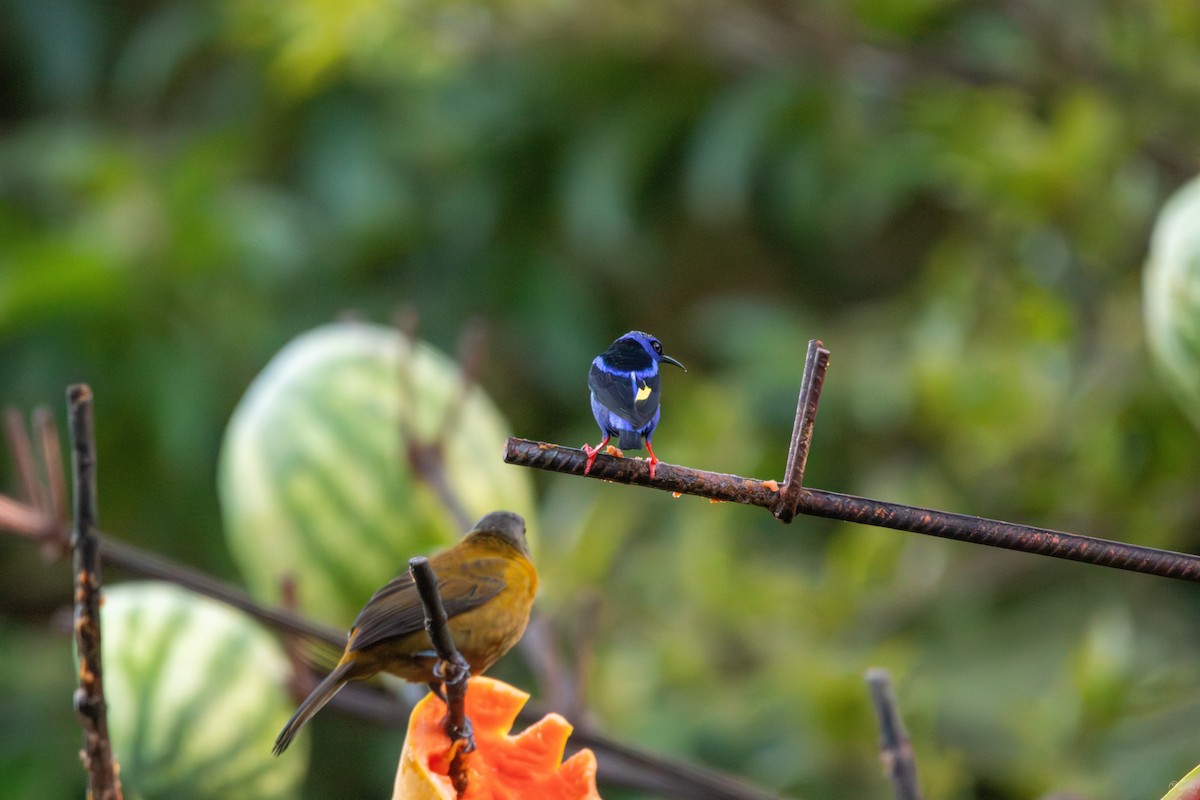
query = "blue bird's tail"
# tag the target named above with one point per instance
(630, 440)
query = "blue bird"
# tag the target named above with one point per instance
(625, 391)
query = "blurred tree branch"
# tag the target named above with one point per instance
(895, 747)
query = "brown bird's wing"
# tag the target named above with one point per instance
(395, 610)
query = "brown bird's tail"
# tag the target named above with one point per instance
(319, 696)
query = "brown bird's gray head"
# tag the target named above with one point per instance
(508, 526)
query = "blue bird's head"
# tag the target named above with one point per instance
(636, 346)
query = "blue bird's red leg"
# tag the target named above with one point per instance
(591, 453)
(653, 458)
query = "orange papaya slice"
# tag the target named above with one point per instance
(503, 766)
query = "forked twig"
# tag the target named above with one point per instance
(452, 668)
(426, 456)
(103, 780)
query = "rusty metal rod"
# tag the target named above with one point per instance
(815, 365)
(848, 508)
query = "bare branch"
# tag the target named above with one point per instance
(471, 347)
(52, 464)
(21, 449)
(151, 565)
(425, 457)
(452, 668)
(22, 519)
(895, 747)
(103, 780)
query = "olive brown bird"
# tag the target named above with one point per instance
(487, 583)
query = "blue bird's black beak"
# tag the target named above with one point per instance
(670, 360)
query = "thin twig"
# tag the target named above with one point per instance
(583, 642)
(35, 525)
(895, 747)
(429, 465)
(815, 365)
(452, 668)
(43, 516)
(103, 780)
(301, 681)
(152, 565)
(849, 508)
(637, 769)
(52, 465)
(407, 320)
(21, 449)
(471, 346)
(425, 457)
(539, 648)
(22, 519)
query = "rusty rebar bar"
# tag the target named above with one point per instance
(815, 364)
(862, 510)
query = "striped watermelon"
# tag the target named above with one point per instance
(312, 482)
(195, 695)
(1172, 296)
(1186, 789)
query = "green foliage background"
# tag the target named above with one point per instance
(955, 197)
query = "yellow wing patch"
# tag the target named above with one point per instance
(643, 392)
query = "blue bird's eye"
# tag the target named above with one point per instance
(657, 346)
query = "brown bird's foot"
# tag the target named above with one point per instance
(463, 737)
(437, 689)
